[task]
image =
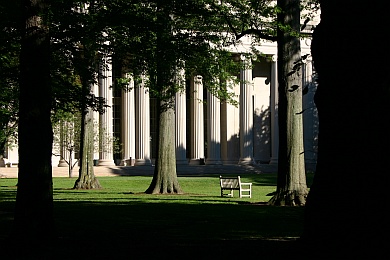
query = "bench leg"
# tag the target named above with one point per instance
(230, 194)
(249, 191)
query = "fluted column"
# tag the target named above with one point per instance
(128, 124)
(181, 128)
(274, 112)
(197, 121)
(224, 142)
(230, 141)
(213, 129)
(142, 123)
(106, 153)
(246, 113)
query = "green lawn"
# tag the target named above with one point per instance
(121, 220)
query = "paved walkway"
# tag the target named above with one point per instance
(12, 172)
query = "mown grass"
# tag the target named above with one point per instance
(120, 217)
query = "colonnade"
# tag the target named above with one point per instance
(135, 108)
(135, 122)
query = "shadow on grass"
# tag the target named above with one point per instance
(114, 223)
(191, 230)
(127, 229)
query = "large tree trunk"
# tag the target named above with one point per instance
(291, 184)
(34, 199)
(346, 212)
(165, 177)
(87, 179)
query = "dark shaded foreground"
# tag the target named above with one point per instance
(112, 248)
(132, 229)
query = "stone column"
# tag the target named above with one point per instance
(224, 144)
(310, 118)
(63, 149)
(128, 124)
(181, 123)
(197, 121)
(106, 153)
(246, 113)
(230, 143)
(213, 129)
(274, 112)
(142, 124)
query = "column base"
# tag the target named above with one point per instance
(127, 162)
(62, 163)
(273, 161)
(182, 162)
(213, 162)
(142, 162)
(230, 162)
(105, 162)
(246, 161)
(197, 161)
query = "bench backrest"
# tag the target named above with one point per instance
(230, 182)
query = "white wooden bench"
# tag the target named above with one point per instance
(234, 183)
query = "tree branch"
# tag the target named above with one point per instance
(251, 31)
(256, 32)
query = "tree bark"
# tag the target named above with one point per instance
(346, 213)
(87, 178)
(34, 199)
(165, 177)
(291, 183)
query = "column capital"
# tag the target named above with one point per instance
(244, 58)
(198, 77)
(308, 58)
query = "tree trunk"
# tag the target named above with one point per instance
(70, 165)
(87, 179)
(346, 213)
(34, 199)
(165, 177)
(291, 184)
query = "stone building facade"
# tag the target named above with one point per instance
(207, 131)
